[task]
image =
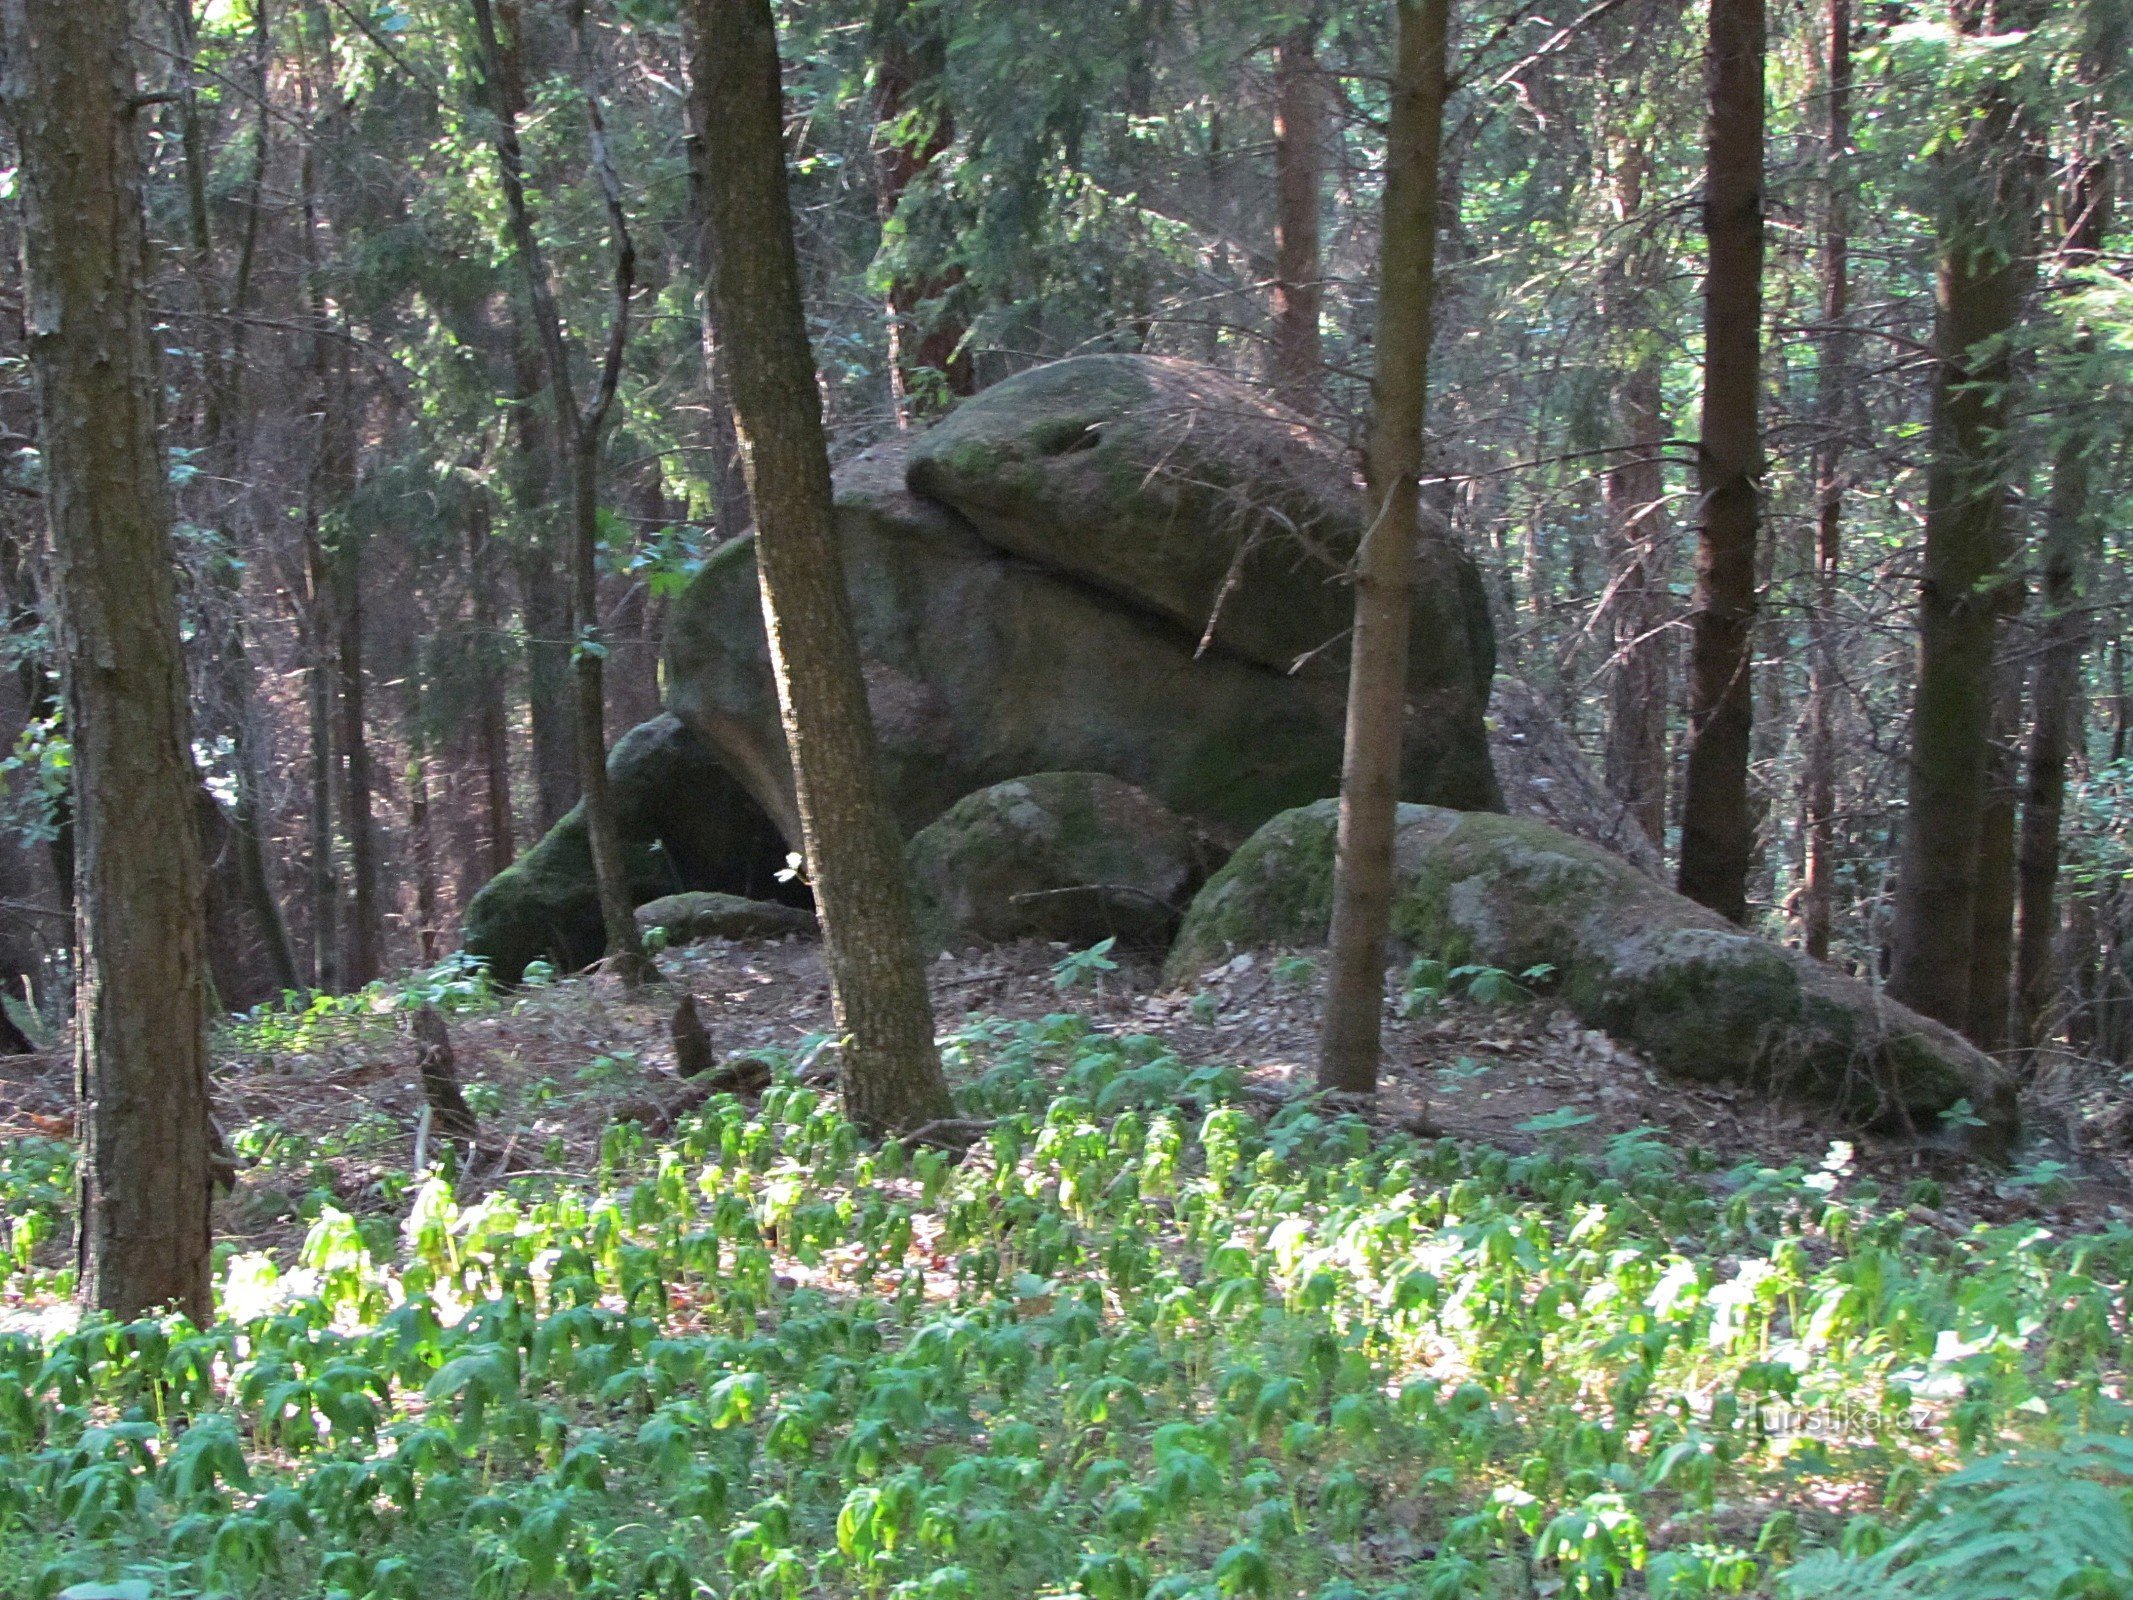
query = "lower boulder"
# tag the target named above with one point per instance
(685, 824)
(1696, 995)
(1077, 856)
(704, 914)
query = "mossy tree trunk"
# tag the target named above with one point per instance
(1986, 229)
(141, 1001)
(1349, 1046)
(1717, 831)
(892, 1070)
(581, 430)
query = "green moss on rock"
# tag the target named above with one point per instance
(685, 824)
(1697, 996)
(705, 914)
(1077, 856)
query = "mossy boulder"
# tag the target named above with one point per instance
(1180, 492)
(1077, 856)
(705, 914)
(685, 824)
(1697, 996)
(983, 666)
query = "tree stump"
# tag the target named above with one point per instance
(449, 1110)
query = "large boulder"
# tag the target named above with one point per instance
(1697, 995)
(685, 824)
(1078, 856)
(989, 657)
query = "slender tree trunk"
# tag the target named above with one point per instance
(1985, 242)
(361, 952)
(323, 877)
(582, 429)
(1818, 780)
(1385, 566)
(892, 1071)
(1634, 495)
(141, 1001)
(492, 728)
(1992, 934)
(233, 667)
(544, 598)
(419, 828)
(2069, 536)
(913, 128)
(721, 439)
(1298, 362)
(1717, 832)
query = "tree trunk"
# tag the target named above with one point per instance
(1298, 362)
(1985, 241)
(233, 667)
(427, 920)
(361, 949)
(581, 429)
(892, 1072)
(1385, 566)
(2069, 536)
(1992, 934)
(721, 439)
(492, 726)
(544, 607)
(141, 1001)
(1717, 833)
(1818, 757)
(1634, 496)
(913, 127)
(323, 878)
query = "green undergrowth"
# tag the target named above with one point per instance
(1141, 1344)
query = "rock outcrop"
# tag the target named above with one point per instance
(1699, 997)
(685, 824)
(1113, 565)
(1077, 856)
(1047, 614)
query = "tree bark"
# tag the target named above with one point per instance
(721, 439)
(2069, 538)
(322, 878)
(892, 1072)
(544, 599)
(1985, 232)
(1717, 832)
(1992, 933)
(913, 127)
(1385, 566)
(1633, 494)
(141, 1002)
(582, 430)
(492, 726)
(362, 946)
(1298, 360)
(1818, 757)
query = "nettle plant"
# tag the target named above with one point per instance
(1138, 1344)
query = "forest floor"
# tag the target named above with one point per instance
(330, 1106)
(1534, 1321)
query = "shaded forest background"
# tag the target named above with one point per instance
(371, 495)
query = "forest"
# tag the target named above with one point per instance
(1119, 799)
